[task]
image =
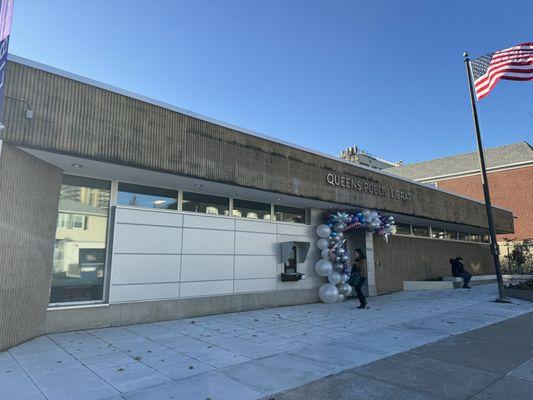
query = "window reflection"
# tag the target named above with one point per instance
(420, 230)
(289, 214)
(80, 246)
(147, 197)
(403, 229)
(251, 209)
(203, 203)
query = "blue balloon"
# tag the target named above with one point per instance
(333, 234)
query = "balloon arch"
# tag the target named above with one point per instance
(332, 244)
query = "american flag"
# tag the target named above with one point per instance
(514, 64)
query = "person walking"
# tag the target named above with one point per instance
(358, 276)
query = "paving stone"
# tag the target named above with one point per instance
(176, 365)
(279, 372)
(337, 356)
(492, 356)
(507, 388)
(422, 374)
(131, 376)
(350, 386)
(211, 385)
(75, 383)
(524, 371)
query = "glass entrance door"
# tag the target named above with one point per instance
(81, 237)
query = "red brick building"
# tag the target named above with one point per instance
(510, 174)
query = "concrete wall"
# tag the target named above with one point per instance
(89, 121)
(411, 258)
(29, 195)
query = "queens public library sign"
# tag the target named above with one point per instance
(368, 187)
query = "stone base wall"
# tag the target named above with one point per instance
(414, 259)
(71, 319)
(29, 195)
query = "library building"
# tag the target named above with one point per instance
(118, 209)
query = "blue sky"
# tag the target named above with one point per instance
(387, 76)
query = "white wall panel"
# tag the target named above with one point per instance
(203, 241)
(145, 268)
(196, 289)
(208, 222)
(155, 291)
(254, 285)
(247, 267)
(206, 267)
(255, 243)
(147, 239)
(255, 226)
(148, 217)
(295, 229)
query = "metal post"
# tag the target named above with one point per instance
(494, 249)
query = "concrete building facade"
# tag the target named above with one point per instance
(148, 212)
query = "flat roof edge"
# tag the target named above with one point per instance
(170, 107)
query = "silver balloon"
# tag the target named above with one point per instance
(323, 231)
(340, 235)
(338, 260)
(344, 277)
(328, 293)
(325, 254)
(322, 244)
(336, 239)
(339, 227)
(341, 298)
(347, 290)
(344, 259)
(334, 277)
(331, 243)
(341, 288)
(338, 267)
(340, 251)
(323, 267)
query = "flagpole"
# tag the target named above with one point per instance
(494, 249)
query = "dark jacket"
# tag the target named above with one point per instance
(457, 267)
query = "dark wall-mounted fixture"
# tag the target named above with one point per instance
(292, 254)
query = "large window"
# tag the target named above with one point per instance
(80, 246)
(203, 203)
(251, 209)
(419, 230)
(289, 214)
(147, 197)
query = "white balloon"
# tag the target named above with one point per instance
(323, 267)
(328, 293)
(341, 298)
(325, 254)
(334, 277)
(322, 244)
(323, 231)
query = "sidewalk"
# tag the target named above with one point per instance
(246, 355)
(494, 362)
